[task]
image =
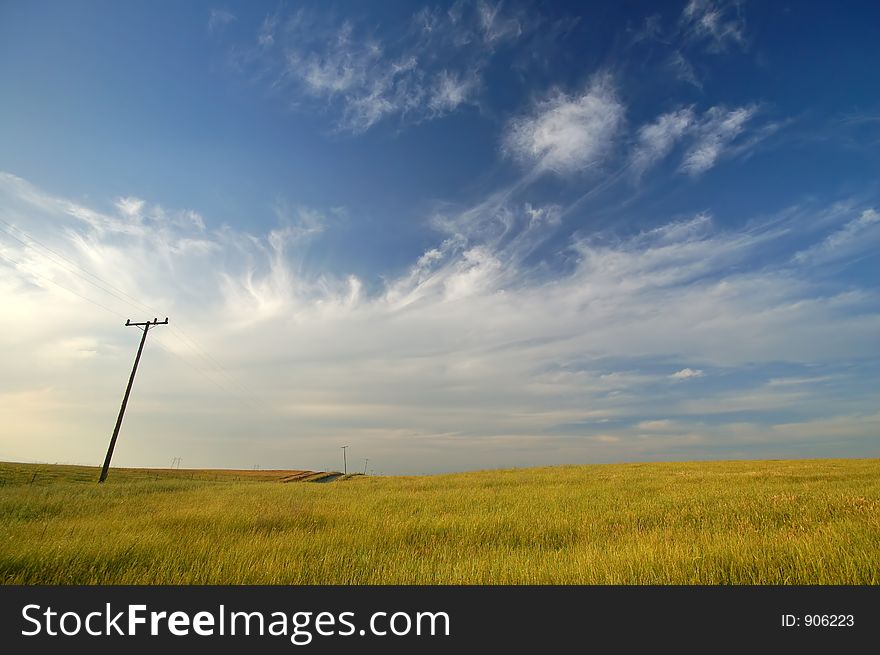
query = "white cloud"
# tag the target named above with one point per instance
(363, 76)
(717, 134)
(858, 236)
(718, 23)
(547, 215)
(218, 19)
(474, 273)
(687, 374)
(451, 90)
(660, 425)
(656, 140)
(266, 37)
(651, 30)
(496, 25)
(683, 69)
(568, 133)
(791, 381)
(372, 84)
(130, 207)
(718, 128)
(467, 352)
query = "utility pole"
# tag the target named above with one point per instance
(146, 328)
(365, 466)
(344, 463)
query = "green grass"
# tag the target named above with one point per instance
(771, 522)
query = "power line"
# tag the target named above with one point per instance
(187, 341)
(190, 343)
(105, 286)
(245, 399)
(17, 265)
(206, 357)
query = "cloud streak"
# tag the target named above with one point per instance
(468, 351)
(687, 374)
(717, 130)
(858, 237)
(718, 133)
(428, 69)
(656, 140)
(218, 19)
(717, 23)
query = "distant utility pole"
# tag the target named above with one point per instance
(365, 466)
(146, 328)
(344, 463)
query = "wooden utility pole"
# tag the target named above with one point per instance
(146, 328)
(344, 463)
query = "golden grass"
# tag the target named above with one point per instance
(769, 522)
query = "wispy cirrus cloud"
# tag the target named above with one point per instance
(687, 374)
(683, 69)
(718, 128)
(702, 26)
(708, 138)
(218, 19)
(566, 133)
(656, 140)
(431, 67)
(858, 236)
(717, 23)
(471, 347)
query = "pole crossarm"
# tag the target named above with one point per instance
(155, 321)
(146, 325)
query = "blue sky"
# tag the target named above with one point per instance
(452, 235)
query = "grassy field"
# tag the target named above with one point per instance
(771, 522)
